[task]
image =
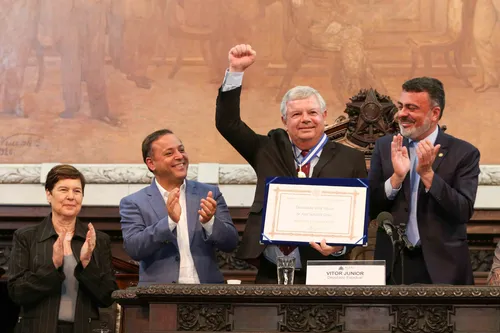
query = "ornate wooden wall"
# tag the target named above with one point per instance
(483, 230)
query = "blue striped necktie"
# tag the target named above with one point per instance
(412, 227)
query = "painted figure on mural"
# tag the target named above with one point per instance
(138, 31)
(332, 26)
(191, 23)
(485, 20)
(17, 36)
(188, 23)
(78, 32)
(238, 26)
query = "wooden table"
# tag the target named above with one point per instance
(272, 308)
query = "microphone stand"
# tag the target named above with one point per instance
(395, 244)
(401, 233)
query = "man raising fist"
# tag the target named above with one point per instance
(280, 153)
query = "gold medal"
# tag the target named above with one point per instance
(302, 174)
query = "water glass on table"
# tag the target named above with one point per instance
(286, 269)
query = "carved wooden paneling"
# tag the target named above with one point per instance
(4, 258)
(310, 318)
(298, 308)
(422, 319)
(203, 317)
(482, 231)
(482, 259)
(228, 261)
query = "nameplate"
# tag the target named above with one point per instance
(346, 272)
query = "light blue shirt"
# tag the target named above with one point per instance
(391, 192)
(232, 80)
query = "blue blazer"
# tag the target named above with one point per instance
(147, 237)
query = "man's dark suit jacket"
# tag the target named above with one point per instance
(442, 212)
(272, 156)
(35, 284)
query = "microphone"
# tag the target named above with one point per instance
(404, 238)
(384, 220)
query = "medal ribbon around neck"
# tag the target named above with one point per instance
(310, 155)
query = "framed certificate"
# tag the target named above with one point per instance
(304, 210)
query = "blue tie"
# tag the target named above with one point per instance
(412, 227)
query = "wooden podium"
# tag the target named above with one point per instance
(299, 308)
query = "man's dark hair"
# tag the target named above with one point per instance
(60, 172)
(147, 143)
(430, 85)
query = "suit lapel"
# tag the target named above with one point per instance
(46, 229)
(285, 153)
(326, 155)
(192, 205)
(156, 200)
(441, 139)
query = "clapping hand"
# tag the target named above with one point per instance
(88, 247)
(426, 153)
(173, 205)
(58, 252)
(207, 209)
(400, 161)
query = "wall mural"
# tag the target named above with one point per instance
(84, 81)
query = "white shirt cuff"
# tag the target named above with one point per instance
(209, 226)
(340, 253)
(171, 224)
(390, 192)
(232, 80)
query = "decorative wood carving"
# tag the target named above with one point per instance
(433, 293)
(228, 261)
(370, 116)
(203, 317)
(422, 319)
(4, 258)
(482, 259)
(310, 318)
(299, 308)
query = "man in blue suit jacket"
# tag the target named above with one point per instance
(174, 226)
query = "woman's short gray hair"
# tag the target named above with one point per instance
(301, 92)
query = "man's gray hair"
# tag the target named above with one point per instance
(301, 92)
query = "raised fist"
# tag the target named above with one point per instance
(241, 57)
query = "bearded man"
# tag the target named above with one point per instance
(428, 181)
